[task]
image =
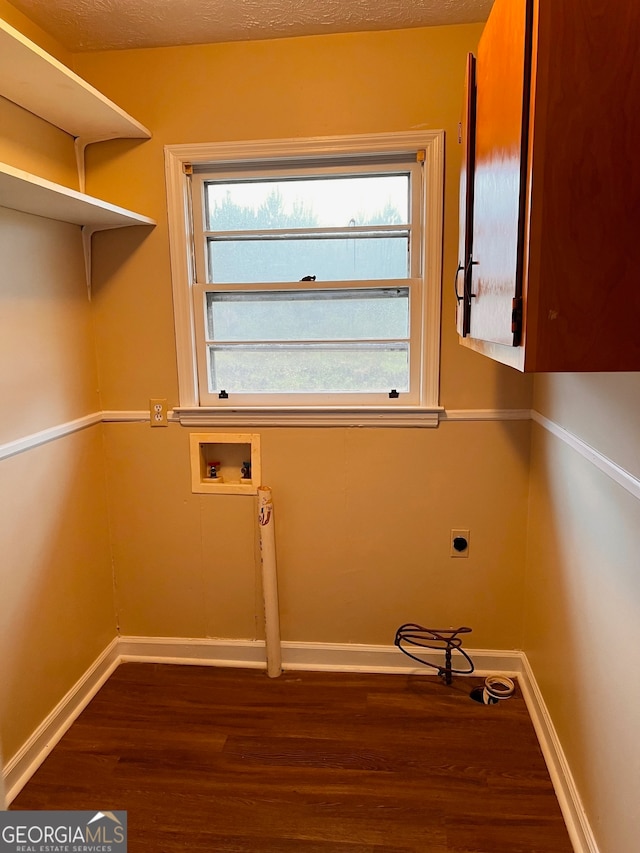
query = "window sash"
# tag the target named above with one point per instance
(381, 398)
(371, 166)
(320, 324)
(268, 366)
(322, 195)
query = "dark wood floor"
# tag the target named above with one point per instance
(228, 760)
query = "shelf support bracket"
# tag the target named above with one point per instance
(87, 233)
(80, 146)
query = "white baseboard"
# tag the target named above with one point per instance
(336, 657)
(563, 782)
(333, 657)
(184, 650)
(30, 756)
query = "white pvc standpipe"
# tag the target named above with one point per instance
(269, 581)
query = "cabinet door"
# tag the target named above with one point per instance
(465, 231)
(502, 106)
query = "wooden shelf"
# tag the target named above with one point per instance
(33, 79)
(36, 81)
(30, 194)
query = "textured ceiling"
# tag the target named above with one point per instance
(117, 24)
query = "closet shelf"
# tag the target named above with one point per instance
(31, 194)
(35, 80)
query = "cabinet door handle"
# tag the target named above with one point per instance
(455, 283)
(471, 264)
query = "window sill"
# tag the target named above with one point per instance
(309, 417)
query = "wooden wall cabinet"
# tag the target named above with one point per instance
(550, 189)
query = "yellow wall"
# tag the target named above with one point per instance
(362, 534)
(363, 516)
(47, 350)
(583, 592)
(26, 141)
(358, 83)
(30, 144)
(57, 611)
(18, 21)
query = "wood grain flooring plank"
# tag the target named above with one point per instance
(230, 761)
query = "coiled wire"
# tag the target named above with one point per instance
(447, 640)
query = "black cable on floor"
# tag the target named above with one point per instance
(436, 639)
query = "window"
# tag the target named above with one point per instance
(306, 276)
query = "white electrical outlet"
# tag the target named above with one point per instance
(158, 413)
(459, 543)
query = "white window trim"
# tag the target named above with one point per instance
(178, 197)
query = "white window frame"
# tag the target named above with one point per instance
(425, 410)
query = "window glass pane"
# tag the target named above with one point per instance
(309, 368)
(356, 314)
(308, 202)
(359, 258)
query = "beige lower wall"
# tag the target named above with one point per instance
(57, 611)
(363, 518)
(582, 603)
